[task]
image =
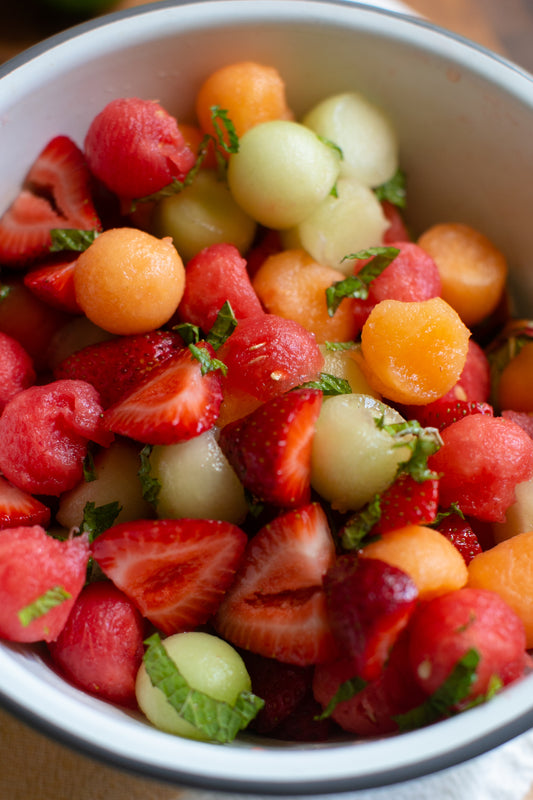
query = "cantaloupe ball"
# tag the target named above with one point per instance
(208, 664)
(129, 281)
(352, 459)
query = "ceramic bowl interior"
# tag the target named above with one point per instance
(464, 119)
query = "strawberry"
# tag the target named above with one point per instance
(117, 366)
(20, 508)
(407, 502)
(215, 275)
(441, 413)
(175, 571)
(461, 534)
(369, 603)
(33, 564)
(276, 606)
(270, 449)
(175, 403)
(54, 284)
(59, 172)
(100, 648)
(16, 369)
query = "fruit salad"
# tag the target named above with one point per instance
(266, 452)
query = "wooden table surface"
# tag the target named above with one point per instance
(505, 26)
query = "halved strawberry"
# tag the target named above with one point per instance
(175, 571)
(408, 502)
(276, 606)
(56, 194)
(34, 565)
(20, 508)
(175, 403)
(119, 365)
(270, 449)
(54, 283)
(16, 369)
(461, 534)
(441, 413)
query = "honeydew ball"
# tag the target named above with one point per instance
(364, 133)
(341, 364)
(201, 215)
(352, 459)
(281, 173)
(197, 481)
(208, 664)
(343, 224)
(128, 281)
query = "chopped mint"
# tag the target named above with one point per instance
(150, 486)
(89, 471)
(220, 115)
(360, 524)
(207, 362)
(50, 599)
(422, 442)
(217, 720)
(346, 691)
(357, 285)
(394, 190)
(189, 333)
(329, 385)
(332, 145)
(441, 703)
(97, 519)
(336, 346)
(71, 239)
(223, 326)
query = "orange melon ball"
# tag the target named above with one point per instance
(129, 281)
(432, 561)
(414, 352)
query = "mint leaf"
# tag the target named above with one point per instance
(357, 285)
(357, 528)
(223, 326)
(336, 346)
(97, 519)
(50, 599)
(332, 145)
(346, 691)
(89, 472)
(71, 239)
(441, 703)
(189, 333)
(216, 719)
(394, 190)
(4, 291)
(329, 385)
(220, 115)
(422, 442)
(207, 362)
(150, 486)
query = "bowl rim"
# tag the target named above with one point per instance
(295, 769)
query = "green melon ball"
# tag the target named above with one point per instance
(208, 664)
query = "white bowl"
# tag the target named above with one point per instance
(464, 118)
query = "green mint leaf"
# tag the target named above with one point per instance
(357, 285)
(223, 326)
(329, 385)
(71, 239)
(332, 145)
(89, 471)
(150, 486)
(4, 291)
(223, 124)
(335, 346)
(189, 333)
(38, 608)
(217, 720)
(422, 442)
(357, 528)
(97, 519)
(453, 509)
(394, 190)
(346, 691)
(441, 703)
(207, 362)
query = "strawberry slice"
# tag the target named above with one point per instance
(277, 605)
(175, 571)
(56, 194)
(117, 366)
(369, 604)
(408, 502)
(54, 284)
(270, 449)
(34, 565)
(174, 404)
(20, 508)
(461, 534)
(441, 413)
